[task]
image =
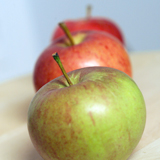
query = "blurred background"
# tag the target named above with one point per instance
(26, 27)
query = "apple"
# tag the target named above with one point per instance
(91, 23)
(93, 113)
(78, 50)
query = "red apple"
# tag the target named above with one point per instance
(91, 23)
(96, 23)
(91, 48)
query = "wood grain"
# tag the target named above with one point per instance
(16, 95)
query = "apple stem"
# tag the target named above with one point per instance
(67, 32)
(89, 8)
(57, 59)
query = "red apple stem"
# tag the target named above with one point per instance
(67, 32)
(89, 9)
(57, 59)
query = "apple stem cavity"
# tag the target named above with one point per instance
(89, 9)
(67, 32)
(57, 59)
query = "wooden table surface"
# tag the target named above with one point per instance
(16, 94)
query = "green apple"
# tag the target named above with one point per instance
(94, 113)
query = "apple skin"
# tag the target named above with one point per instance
(92, 23)
(101, 116)
(93, 48)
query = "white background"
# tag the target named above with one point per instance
(26, 27)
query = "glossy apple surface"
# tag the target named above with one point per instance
(93, 23)
(92, 48)
(100, 117)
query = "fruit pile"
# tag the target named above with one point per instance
(86, 106)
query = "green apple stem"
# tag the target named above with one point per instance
(57, 59)
(67, 32)
(89, 9)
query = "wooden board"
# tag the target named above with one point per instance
(16, 94)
